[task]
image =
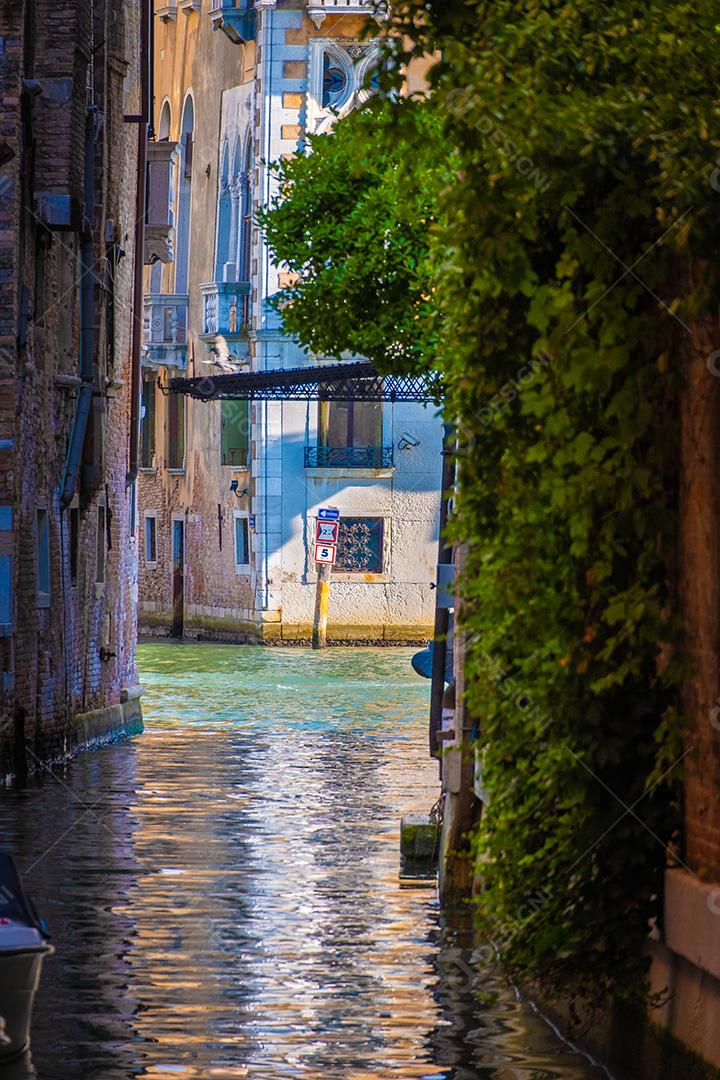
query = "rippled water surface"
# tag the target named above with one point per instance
(223, 890)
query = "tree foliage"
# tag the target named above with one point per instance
(585, 147)
(352, 221)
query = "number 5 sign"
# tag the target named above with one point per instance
(325, 553)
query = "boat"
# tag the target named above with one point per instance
(23, 947)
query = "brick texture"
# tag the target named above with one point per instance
(77, 653)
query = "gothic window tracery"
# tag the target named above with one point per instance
(343, 74)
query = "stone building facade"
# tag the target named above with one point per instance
(229, 492)
(69, 78)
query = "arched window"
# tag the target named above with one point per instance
(336, 80)
(164, 129)
(246, 207)
(184, 197)
(165, 124)
(222, 240)
(230, 268)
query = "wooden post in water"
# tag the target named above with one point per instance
(322, 604)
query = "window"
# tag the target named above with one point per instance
(350, 423)
(100, 547)
(147, 423)
(246, 217)
(224, 224)
(175, 431)
(242, 542)
(184, 201)
(234, 432)
(360, 545)
(43, 558)
(349, 435)
(74, 544)
(6, 569)
(334, 82)
(150, 538)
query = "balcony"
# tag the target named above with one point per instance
(168, 11)
(236, 19)
(318, 10)
(160, 227)
(166, 320)
(349, 457)
(226, 319)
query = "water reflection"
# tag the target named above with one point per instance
(223, 891)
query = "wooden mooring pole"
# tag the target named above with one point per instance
(322, 604)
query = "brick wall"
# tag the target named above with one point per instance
(78, 652)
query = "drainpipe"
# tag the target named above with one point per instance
(143, 122)
(83, 401)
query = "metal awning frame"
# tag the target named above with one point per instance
(356, 381)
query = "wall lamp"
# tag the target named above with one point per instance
(234, 488)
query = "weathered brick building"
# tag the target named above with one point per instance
(229, 492)
(71, 131)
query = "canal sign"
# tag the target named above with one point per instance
(325, 553)
(327, 532)
(326, 535)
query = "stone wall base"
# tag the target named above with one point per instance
(207, 628)
(630, 1045)
(681, 1036)
(84, 732)
(92, 729)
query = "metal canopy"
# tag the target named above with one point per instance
(331, 382)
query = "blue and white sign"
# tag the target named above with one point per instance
(328, 513)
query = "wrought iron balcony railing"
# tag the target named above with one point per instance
(236, 18)
(349, 457)
(166, 321)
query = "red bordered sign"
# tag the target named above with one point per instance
(325, 553)
(326, 532)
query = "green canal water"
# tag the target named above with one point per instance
(223, 890)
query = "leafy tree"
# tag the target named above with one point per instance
(571, 281)
(352, 221)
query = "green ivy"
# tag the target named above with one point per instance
(569, 175)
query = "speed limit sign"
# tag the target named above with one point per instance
(325, 553)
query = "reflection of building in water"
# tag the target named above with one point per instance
(238, 564)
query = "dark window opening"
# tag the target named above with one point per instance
(234, 432)
(100, 547)
(175, 431)
(147, 423)
(43, 558)
(74, 544)
(150, 539)
(351, 423)
(242, 542)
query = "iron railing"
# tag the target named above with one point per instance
(349, 457)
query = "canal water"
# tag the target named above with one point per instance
(223, 891)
